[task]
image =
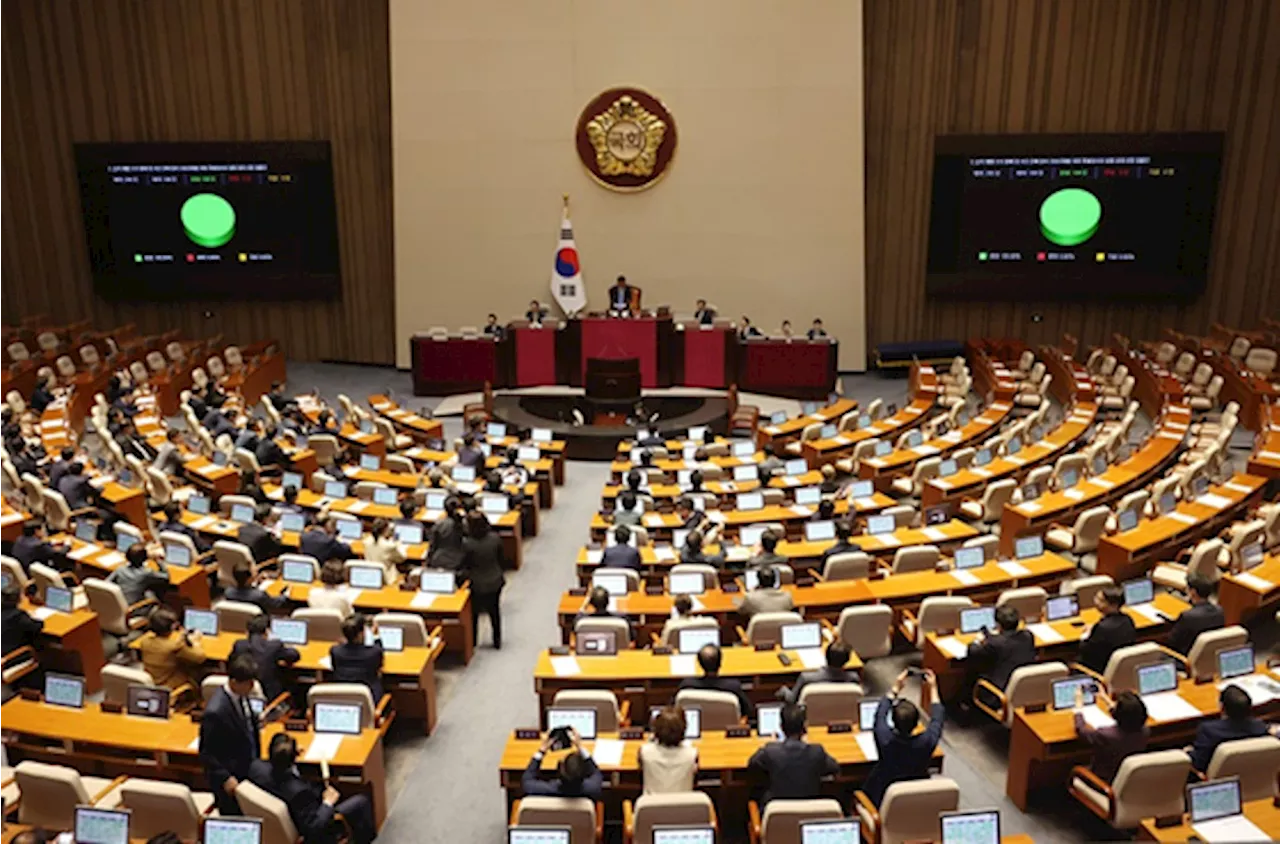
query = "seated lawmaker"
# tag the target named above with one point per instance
(136, 580)
(834, 671)
(597, 606)
(692, 551)
(17, 628)
(173, 524)
(320, 540)
(767, 552)
(702, 314)
(267, 652)
(844, 532)
(1203, 615)
(816, 331)
(246, 591)
(258, 537)
(172, 655)
(354, 661)
(766, 597)
(34, 547)
(578, 774)
(1115, 742)
(492, 328)
(620, 295)
(668, 763)
(995, 658)
(1114, 630)
(1237, 722)
(793, 767)
(75, 487)
(746, 330)
(624, 513)
(332, 593)
(903, 753)
(311, 809)
(621, 555)
(709, 659)
(269, 453)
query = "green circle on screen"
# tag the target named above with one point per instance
(209, 220)
(1070, 216)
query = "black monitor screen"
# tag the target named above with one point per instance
(210, 220)
(1043, 217)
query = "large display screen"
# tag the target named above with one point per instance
(210, 220)
(1044, 217)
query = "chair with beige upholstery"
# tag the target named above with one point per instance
(605, 624)
(908, 812)
(1148, 785)
(1121, 673)
(924, 470)
(1202, 658)
(989, 544)
(692, 808)
(51, 793)
(413, 628)
(584, 818)
(720, 710)
(325, 446)
(228, 555)
(782, 818)
(13, 571)
(357, 694)
(609, 715)
(323, 624)
(990, 508)
(867, 629)
(277, 825)
(116, 680)
(1085, 588)
(388, 431)
(765, 628)
(57, 513)
(827, 702)
(114, 615)
(1261, 362)
(1027, 600)
(903, 515)
(632, 576)
(45, 576)
(160, 806)
(1203, 562)
(1082, 537)
(1254, 760)
(233, 616)
(1135, 501)
(916, 558)
(210, 685)
(848, 565)
(399, 464)
(937, 614)
(1030, 685)
(670, 635)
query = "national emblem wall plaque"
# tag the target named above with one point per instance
(626, 139)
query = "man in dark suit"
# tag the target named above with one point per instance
(246, 592)
(746, 330)
(844, 532)
(33, 547)
(995, 658)
(1114, 630)
(579, 776)
(709, 659)
(173, 524)
(267, 653)
(536, 313)
(19, 629)
(42, 396)
(311, 809)
(355, 662)
(768, 554)
(269, 453)
(816, 331)
(59, 467)
(620, 295)
(903, 754)
(259, 539)
(704, 315)
(492, 328)
(320, 541)
(75, 487)
(229, 736)
(1237, 722)
(833, 672)
(692, 551)
(621, 555)
(1203, 615)
(219, 423)
(277, 397)
(793, 766)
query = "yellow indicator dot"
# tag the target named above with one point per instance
(1101, 256)
(243, 257)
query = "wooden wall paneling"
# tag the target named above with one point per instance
(185, 70)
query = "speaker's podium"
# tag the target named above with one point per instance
(612, 388)
(535, 352)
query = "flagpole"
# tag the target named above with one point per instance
(566, 202)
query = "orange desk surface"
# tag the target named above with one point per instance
(662, 492)
(1264, 814)
(792, 515)
(78, 645)
(825, 450)
(1242, 596)
(903, 461)
(792, 427)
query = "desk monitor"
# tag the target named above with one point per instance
(686, 583)
(750, 501)
(221, 458)
(293, 522)
(743, 449)
(862, 489)
(1026, 547)
(291, 479)
(1068, 479)
(1251, 555)
(206, 621)
(350, 529)
(392, 638)
(291, 631)
(1214, 799)
(1128, 519)
(982, 458)
(539, 835)
(1235, 662)
(86, 531)
(438, 581)
(971, 827)
(750, 472)
(242, 513)
(297, 571)
(301, 441)
(880, 524)
(614, 584)
(778, 417)
(843, 831)
(370, 462)
(335, 489)
(883, 448)
(977, 618)
(769, 720)
(408, 534)
(1139, 591)
(948, 467)
(366, 426)
(914, 439)
(177, 555)
(751, 577)
(365, 577)
(1013, 446)
(596, 643)
(829, 431)
(1099, 464)
(343, 718)
(101, 826)
(464, 473)
(864, 420)
(684, 476)
(969, 558)
(691, 640)
(692, 720)
(495, 429)
(1157, 677)
(806, 634)
(147, 701)
(528, 454)
(1064, 691)
(684, 835)
(540, 435)
(939, 514)
(795, 466)
(495, 505)
(1199, 486)
(64, 690)
(749, 535)
(57, 598)
(384, 495)
(125, 541)
(1167, 503)
(867, 713)
(1061, 606)
(809, 495)
(232, 830)
(435, 499)
(582, 720)
(820, 531)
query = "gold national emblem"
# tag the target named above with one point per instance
(625, 139)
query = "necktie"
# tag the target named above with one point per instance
(247, 713)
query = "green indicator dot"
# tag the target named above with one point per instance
(1070, 216)
(137, 258)
(209, 220)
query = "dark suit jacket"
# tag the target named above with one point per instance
(722, 684)
(218, 424)
(1210, 734)
(445, 551)
(531, 783)
(1192, 623)
(706, 316)
(901, 759)
(839, 548)
(40, 398)
(794, 767)
(270, 454)
(268, 654)
(1113, 631)
(57, 469)
(620, 298)
(32, 549)
(621, 557)
(484, 563)
(227, 743)
(358, 663)
(309, 813)
(257, 597)
(998, 656)
(322, 546)
(18, 629)
(1110, 746)
(179, 527)
(77, 491)
(261, 542)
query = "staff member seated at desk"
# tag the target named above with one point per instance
(766, 597)
(331, 595)
(767, 555)
(746, 329)
(1114, 630)
(621, 555)
(834, 671)
(793, 766)
(702, 314)
(536, 313)
(173, 523)
(1237, 722)
(1113, 743)
(171, 655)
(816, 331)
(320, 541)
(258, 537)
(1203, 615)
(136, 580)
(354, 661)
(268, 653)
(844, 532)
(668, 764)
(230, 741)
(17, 628)
(311, 810)
(904, 754)
(578, 774)
(34, 547)
(692, 551)
(247, 592)
(995, 658)
(624, 514)
(709, 658)
(491, 327)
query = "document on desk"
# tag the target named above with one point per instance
(607, 753)
(204, 522)
(1073, 494)
(1014, 569)
(801, 510)
(1096, 718)
(652, 520)
(1235, 487)
(565, 666)
(43, 613)
(358, 506)
(1236, 828)
(1029, 507)
(952, 647)
(1148, 611)
(1261, 689)
(422, 600)
(981, 472)
(324, 747)
(84, 551)
(864, 503)
(325, 662)
(1269, 455)
(683, 665)
(1183, 518)
(1101, 482)
(925, 449)
(1169, 706)
(1217, 502)
(111, 558)
(1045, 635)
(935, 534)
(812, 658)
(664, 554)
(1015, 460)
(594, 555)
(965, 577)
(888, 540)
(867, 744)
(1257, 584)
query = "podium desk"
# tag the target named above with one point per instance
(797, 367)
(535, 353)
(453, 364)
(1243, 595)
(705, 355)
(1264, 814)
(646, 339)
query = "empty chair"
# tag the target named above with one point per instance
(1027, 600)
(989, 544)
(937, 614)
(1085, 588)
(782, 818)
(849, 565)
(323, 624)
(247, 461)
(277, 825)
(1135, 501)
(765, 628)
(827, 702)
(582, 816)
(1030, 685)
(657, 810)
(903, 515)
(1202, 562)
(1254, 760)
(13, 570)
(108, 601)
(916, 558)
(1147, 785)
(1116, 398)
(233, 616)
(413, 629)
(44, 576)
(631, 575)
(1083, 536)
(1184, 364)
(160, 806)
(50, 794)
(57, 513)
(924, 470)
(116, 680)
(356, 694)
(908, 812)
(990, 508)
(1070, 463)
(867, 629)
(609, 715)
(604, 624)
(1202, 659)
(720, 710)
(1261, 362)
(670, 635)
